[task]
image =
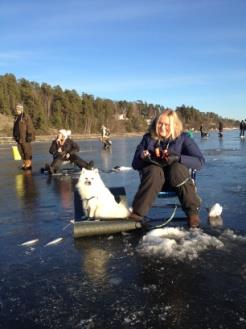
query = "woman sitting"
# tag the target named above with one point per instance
(164, 157)
(63, 148)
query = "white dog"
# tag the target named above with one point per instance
(98, 201)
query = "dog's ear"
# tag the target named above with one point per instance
(95, 170)
(83, 170)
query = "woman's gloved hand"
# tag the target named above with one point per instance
(166, 160)
(145, 154)
(169, 159)
(173, 158)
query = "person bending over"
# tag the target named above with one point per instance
(63, 148)
(163, 158)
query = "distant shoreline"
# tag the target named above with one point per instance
(49, 138)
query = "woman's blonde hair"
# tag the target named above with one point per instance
(176, 126)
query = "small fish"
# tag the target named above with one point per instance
(58, 240)
(215, 210)
(29, 243)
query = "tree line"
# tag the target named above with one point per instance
(55, 108)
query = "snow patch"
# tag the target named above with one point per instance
(177, 243)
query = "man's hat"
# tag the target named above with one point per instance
(19, 106)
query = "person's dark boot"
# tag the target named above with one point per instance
(51, 170)
(193, 221)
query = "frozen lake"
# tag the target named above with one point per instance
(171, 279)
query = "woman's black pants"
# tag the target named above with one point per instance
(154, 179)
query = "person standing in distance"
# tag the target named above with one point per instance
(24, 134)
(221, 127)
(242, 128)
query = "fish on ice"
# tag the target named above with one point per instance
(56, 241)
(29, 243)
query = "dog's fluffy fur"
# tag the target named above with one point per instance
(98, 201)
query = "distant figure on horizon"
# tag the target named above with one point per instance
(242, 127)
(63, 148)
(24, 134)
(203, 133)
(221, 129)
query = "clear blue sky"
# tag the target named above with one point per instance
(167, 52)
